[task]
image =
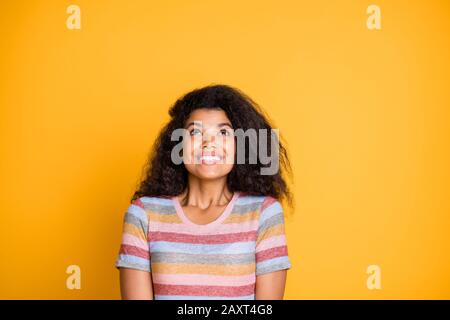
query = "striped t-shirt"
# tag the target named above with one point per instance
(218, 260)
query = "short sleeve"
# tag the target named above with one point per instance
(271, 243)
(134, 250)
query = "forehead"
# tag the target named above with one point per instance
(208, 117)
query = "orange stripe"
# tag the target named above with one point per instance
(167, 218)
(239, 217)
(215, 269)
(135, 231)
(275, 230)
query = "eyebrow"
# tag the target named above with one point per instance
(198, 123)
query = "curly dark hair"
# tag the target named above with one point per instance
(163, 178)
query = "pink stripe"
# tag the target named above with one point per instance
(138, 203)
(205, 239)
(225, 228)
(134, 251)
(274, 241)
(163, 289)
(267, 202)
(199, 279)
(131, 240)
(271, 253)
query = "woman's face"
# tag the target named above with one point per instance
(208, 145)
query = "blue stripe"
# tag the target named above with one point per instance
(155, 200)
(235, 247)
(270, 211)
(249, 199)
(275, 261)
(133, 259)
(138, 212)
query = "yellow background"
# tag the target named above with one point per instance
(365, 114)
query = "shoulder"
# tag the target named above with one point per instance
(153, 203)
(141, 206)
(270, 203)
(260, 203)
(157, 205)
(246, 199)
(135, 213)
(271, 211)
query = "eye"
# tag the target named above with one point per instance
(224, 132)
(195, 132)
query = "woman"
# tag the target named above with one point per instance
(203, 225)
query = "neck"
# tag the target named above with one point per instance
(205, 193)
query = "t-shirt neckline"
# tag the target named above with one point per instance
(210, 225)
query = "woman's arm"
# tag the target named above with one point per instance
(270, 286)
(135, 284)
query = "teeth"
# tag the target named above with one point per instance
(210, 158)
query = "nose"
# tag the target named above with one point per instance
(208, 141)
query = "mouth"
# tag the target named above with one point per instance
(210, 159)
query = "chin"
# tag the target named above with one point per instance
(211, 173)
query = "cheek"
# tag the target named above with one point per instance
(188, 154)
(187, 148)
(195, 145)
(228, 145)
(230, 149)
(191, 148)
